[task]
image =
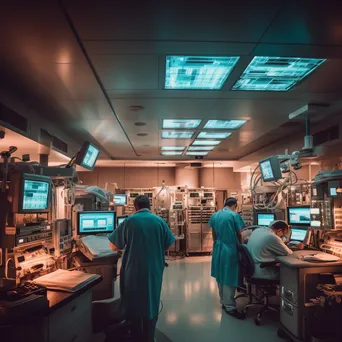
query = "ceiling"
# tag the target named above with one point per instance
(82, 65)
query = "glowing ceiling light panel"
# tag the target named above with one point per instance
(177, 135)
(171, 153)
(181, 123)
(213, 135)
(173, 148)
(198, 72)
(206, 142)
(201, 148)
(276, 73)
(196, 153)
(224, 124)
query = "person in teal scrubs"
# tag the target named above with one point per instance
(144, 237)
(226, 225)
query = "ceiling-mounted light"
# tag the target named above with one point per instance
(198, 72)
(171, 153)
(213, 135)
(201, 148)
(224, 124)
(198, 153)
(276, 73)
(181, 123)
(177, 135)
(206, 142)
(173, 148)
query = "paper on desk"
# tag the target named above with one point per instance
(98, 246)
(69, 281)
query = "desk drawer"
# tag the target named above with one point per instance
(289, 295)
(290, 318)
(62, 318)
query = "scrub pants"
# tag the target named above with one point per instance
(227, 294)
(143, 330)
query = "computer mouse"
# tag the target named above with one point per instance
(12, 293)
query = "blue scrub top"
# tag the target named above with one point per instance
(144, 237)
(225, 259)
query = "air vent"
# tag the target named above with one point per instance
(12, 118)
(327, 135)
(59, 144)
(195, 165)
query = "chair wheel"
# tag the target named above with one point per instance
(257, 320)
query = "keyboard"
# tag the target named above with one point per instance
(27, 289)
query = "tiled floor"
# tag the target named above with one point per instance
(192, 312)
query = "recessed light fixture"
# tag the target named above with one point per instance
(181, 123)
(140, 124)
(171, 153)
(136, 108)
(276, 73)
(142, 134)
(196, 153)
(213, 135)
(224, 124)
(206, 142)
(201, 148)
(177, 135)
(198, 72)
(173, 148)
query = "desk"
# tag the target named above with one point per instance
(67, 318)
(298, 280)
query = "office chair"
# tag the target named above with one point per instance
(267, 287)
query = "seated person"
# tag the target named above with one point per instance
(265, 244)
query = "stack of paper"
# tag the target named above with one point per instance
(96, 246)
(68, 281)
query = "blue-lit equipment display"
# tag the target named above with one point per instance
(276, 73)
(224, 124)
(181, 123)
(198, 72)
(264, 219)
(298, 234)
(35, 195)
(299, 216)
(96, 222)
(120, 199)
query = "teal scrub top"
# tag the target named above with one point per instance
(225, 257)
(144, 238)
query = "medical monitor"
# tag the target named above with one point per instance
(121, 219)
(299, 216)
(298, 234)
(264, 219)
(95, 222)
(120, 199)
(270, 169)
(31, 193)
(87, 156)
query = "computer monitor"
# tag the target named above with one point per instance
(298, 234)
(95, 222)
(120, 199)
(31, 193)
(87, 156)
(264, 219)
(121, 219)
(299, 216)
(270, 169)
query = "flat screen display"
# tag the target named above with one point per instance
(35, 195)
(299, 216)
(96, 222)
(333, 192)
(314, 211)
(121, 219)
(266, 170)
(298, 235)
(265, 219)
(90, 157)
(120, 199)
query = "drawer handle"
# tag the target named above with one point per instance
(288, 294)
(73, 308)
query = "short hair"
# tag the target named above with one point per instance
(142, 202)
(279, 224)
(229, 202)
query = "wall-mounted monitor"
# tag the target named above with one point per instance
(87, 156)
(120, 199)
(264, 219)
(31, 193)
(270, 169)
(95, 222)
(299, 216)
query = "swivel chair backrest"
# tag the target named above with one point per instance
(246, 263)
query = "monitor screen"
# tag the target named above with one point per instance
(333, 192)
(120, 199)
(270, 169)
(298, 235)
(90, 157)
(121, 219)
(264, 219)
(35, 195)
(96, 222)
(299, 216)
(266, 170)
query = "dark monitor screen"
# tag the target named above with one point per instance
(264, 219)
(298, 234)
(96, 222)
(121, 219)
(270, 169)
(299, 216)
(35, 195)
(120, 199)
(87, 156)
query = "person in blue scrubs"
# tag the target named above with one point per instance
(226, 225)
(144, 237)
